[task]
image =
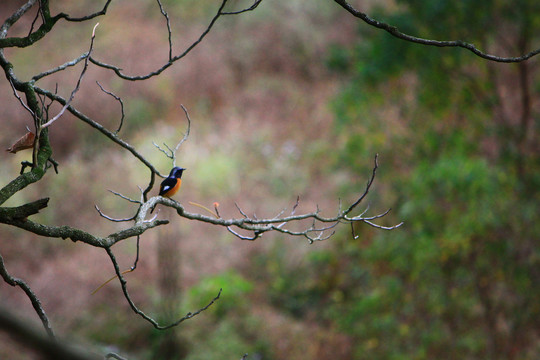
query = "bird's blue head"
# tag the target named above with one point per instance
(176, 172)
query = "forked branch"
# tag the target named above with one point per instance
(141, 313)
(316, 230)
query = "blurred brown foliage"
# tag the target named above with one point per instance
(257, 93)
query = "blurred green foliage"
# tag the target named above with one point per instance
(234, 285)
(225, 332)
(458, 280)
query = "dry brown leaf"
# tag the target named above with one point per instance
(25, 142)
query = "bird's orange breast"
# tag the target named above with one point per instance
(175, 189)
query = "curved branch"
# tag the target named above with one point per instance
(111, 135)
(119, 99)
(87, 17)
(394, 31)
(138, 311)
(251, 8)
(30, 294)
(173, 59)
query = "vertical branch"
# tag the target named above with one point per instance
(186, 135)
(164, 13)
(171, 153)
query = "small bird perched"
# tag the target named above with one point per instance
(171, 184)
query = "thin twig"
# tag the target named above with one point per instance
(168, 152)
(114, 356)
(171, 153)
(125, 197)
(368, 186)
(137, 254)
(139, 312)
(240, 210)
(110, 218)
(354, 236)
(33, 22)
(21, 100)
(383, 227)
(109, 134)
(186, 135)
(119, 73)
(259, 226)
(252, 7)
(164, 13)
(119, 99)
(72, 96)
(15, 17)
(61, 67)
(131, 269)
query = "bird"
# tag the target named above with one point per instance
(171, 184)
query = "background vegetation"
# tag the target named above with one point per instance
(295, 99)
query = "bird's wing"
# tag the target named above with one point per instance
(167, 185)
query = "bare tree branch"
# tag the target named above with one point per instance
(119, 99)
(171, 153)
(38, 13)
(368, 186)
(72, 96)
(74, 234)
(36, 304)
(164, 13)
(138, 311)
(21, 100)
(312, 225)
(394, 31)
(109, 134)
(110, 218)
(172, 59)
(260, 226)
(186, 135)
(252, 7)
(61, 67)
(114, 356)
(15, 17)
(87, 17)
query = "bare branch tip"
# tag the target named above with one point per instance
(94, 30)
